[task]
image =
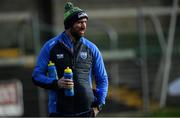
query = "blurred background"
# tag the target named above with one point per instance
(139, 41)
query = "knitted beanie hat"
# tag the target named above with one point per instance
(72, 14)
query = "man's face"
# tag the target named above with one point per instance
(78, 29)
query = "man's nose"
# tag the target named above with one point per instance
(84, 25)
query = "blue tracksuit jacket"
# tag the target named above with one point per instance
(89, 65)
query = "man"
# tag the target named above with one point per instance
(71, 49)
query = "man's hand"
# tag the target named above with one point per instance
(65, 83)
(96, 111)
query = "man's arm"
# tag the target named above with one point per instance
(101, 79)
(39, 75)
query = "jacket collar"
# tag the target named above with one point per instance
(67, 41)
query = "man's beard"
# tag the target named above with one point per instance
(75, 34)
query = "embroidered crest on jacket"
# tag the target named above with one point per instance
(83, 55)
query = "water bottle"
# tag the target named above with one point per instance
(52, 70)
(69, 75)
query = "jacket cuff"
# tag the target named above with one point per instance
(96, 102)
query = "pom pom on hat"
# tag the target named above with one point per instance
(68, 6)
(72, 14)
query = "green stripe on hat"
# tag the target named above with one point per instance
(70, 12)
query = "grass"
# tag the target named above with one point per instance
(166, 112)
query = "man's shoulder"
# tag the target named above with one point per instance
(51, 42)
(88, 43)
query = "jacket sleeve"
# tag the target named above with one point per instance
(101, 77)
(39, 75)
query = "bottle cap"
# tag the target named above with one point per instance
(68, 70)
(50, 63)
